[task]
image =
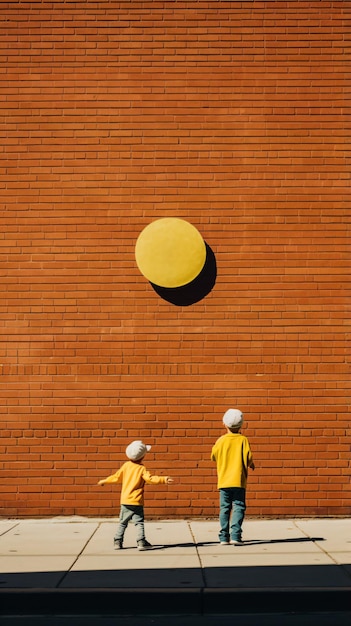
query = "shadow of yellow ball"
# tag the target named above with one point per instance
(170, 252)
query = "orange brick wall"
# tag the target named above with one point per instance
(231, 115)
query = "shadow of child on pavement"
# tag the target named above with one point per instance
(249, 542)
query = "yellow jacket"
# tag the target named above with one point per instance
(233, 456)
(133, 477)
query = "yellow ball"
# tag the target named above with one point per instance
(170, 252)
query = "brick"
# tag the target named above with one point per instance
(228, 116)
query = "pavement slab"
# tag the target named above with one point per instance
(274, 536)
(336, 534)
(139, 572)
(6, 525)
(42, 538)
(33, 572)
(51, 565)
(170, 536)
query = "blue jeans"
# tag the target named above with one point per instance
(232, 511)
(130, 513)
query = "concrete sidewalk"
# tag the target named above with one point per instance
(62, 565)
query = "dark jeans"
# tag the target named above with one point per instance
(232, 511)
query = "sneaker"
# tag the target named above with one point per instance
(144, 545)
(236, 542)
(224, 543)
(117, 544)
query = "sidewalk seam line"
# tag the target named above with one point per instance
(77, 557)
(341, 565)
(204, 583)
(9, 529)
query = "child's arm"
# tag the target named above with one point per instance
(114, 478)
(250, 461)
(151, 479)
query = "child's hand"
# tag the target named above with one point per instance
(101, 483)
(252, 466)
(169, 480)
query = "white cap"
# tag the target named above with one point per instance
(233, 418)
(136, 450)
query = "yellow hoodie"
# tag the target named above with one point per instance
(233, 456)
(133, 476)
